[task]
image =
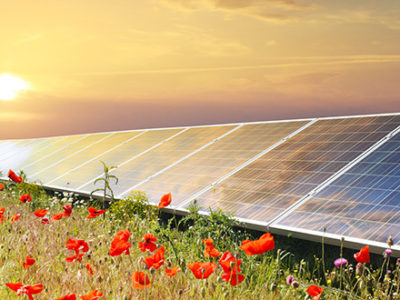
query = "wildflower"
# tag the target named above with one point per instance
(148, 243)
(67, 297)
(231, 267)
(315, 291)
(25, 198)
(1, 187)
(29, 262)
(40, 213)
(140, 280)
(67, 210)
(157, 260)
(57, 217)
(340, 262)
(202, 270)
(171, 272)
(387, 253)
(2, 210)
(263, 244)
(14, 177)
(90, 269)
(76, 245)
(94, 212)
(363, 255)
(165, 200)
(45, 221)
(93, 295)
(359, 269)
(210, 249)
(290, 279)
(14, 218)
(29, 290)
(120, 243)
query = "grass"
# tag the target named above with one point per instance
(265, 274)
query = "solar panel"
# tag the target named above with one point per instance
(166, 154)
(203, 168)
(70, 169)
(364, 202)
(13, 148)
(23, 155)
(264, 189)
(82, 179)
(42, 169)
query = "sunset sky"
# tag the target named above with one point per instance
(102, 65)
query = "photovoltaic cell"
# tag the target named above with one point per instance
(166, 154)
(266, 188)
(364, 202)
(41, 170)
(72, 170)
(84, 177)
(24, 155)
(200, 170)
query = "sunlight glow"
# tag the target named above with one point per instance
(10, 86)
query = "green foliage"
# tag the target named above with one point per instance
(107, 190)
(136, 205)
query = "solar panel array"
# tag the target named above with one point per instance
(330, 176)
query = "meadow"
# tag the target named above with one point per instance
(61, 246)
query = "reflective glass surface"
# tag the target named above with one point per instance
(266, 188)
(364, 202)
(166, 154)
(84, 177)
(70, 170)
(203, 168)
(43, 169)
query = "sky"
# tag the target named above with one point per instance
(101, 65)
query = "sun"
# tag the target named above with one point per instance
(10, 86)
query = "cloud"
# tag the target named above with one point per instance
(277, 11)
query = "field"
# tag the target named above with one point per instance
(111, 252)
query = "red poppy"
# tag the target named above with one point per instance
(2, 210)
(14, 177)
(210, 249)
(14, 218)
(315, 291)
(363, 255)
(67, 210)
(1, 187)
(140, 280)
(45, 221)
(148, 243)
(202, 270)
(29, 262)
(29, 290)
(57, 217)
(90, 269)
(165, 200)
(77, 257)
(93, 295)
(171, 272)
(120, 243)
(263, 244)
(157, 260)
(77, 245)
(25, 198)
(67, 297)
(40, 213)
(231, 267)
(94, 212)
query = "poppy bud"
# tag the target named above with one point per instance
(232, 264)
(180, 292)
(295, 284)
(203, 270)
(152, 270)
(359, 269)
(169, 264)
(273, 286)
